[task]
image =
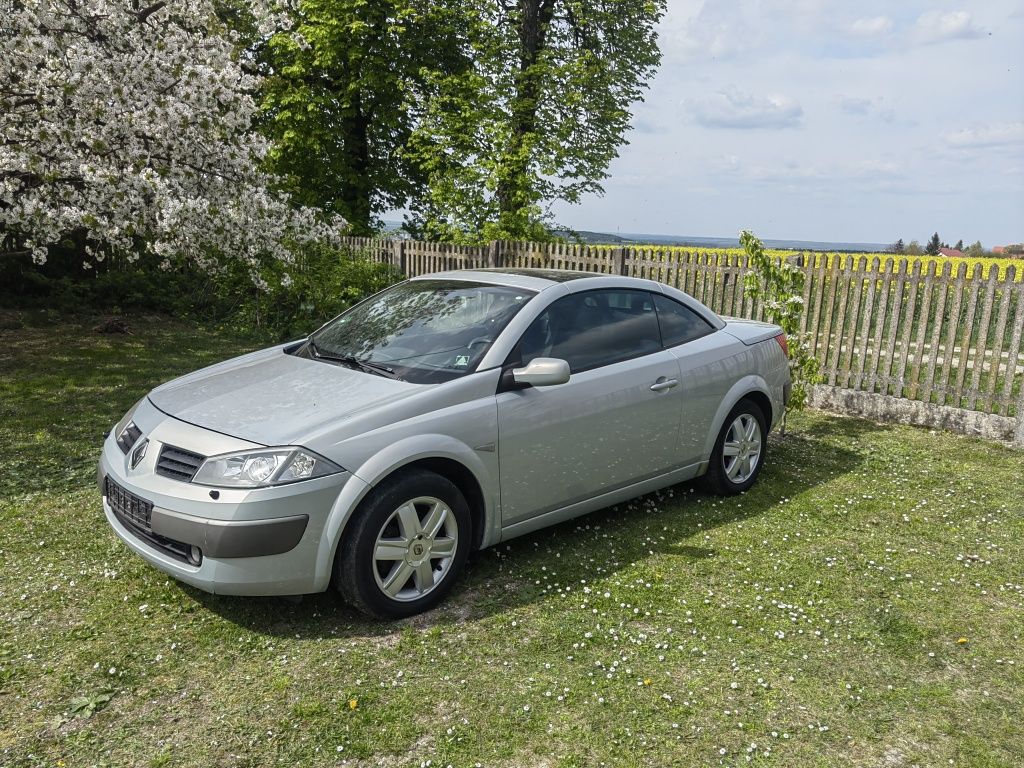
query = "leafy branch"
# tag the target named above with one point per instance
(780, 285)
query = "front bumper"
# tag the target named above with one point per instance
(260, 541)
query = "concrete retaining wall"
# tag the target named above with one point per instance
(900, 410)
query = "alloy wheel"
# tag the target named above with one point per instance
(415, 548)
(742, 449)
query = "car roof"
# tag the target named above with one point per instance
(531, 279)
(569, 281)
(554, 275)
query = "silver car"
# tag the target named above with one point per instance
(443, 415)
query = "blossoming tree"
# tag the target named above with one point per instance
(127, 125)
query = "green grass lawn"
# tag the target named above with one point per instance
(862, 605)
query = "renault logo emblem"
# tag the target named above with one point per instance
(139, 453)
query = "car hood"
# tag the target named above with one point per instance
(274, 398)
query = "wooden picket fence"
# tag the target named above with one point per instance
(945, 339)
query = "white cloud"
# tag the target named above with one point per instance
(689, 31)
(867, 107)
(733, 109)
(873, 26)
(937, 27)
(800, 172)
(993, 135)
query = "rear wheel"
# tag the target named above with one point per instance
(739, 451)
(405, 546)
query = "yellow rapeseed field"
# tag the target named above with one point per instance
(853, 259)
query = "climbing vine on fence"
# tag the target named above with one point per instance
(779, 285)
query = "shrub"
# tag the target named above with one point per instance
(286, 301)
(780, 287)
(279, 301)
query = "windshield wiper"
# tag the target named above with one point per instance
(355, 362)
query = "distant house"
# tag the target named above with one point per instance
(1017, 249)
(951, 252)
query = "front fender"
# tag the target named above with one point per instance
(381, 465)
(739, 390)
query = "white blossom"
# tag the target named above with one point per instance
(132, 124)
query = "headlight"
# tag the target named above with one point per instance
(126, 419)
(267, 466)
(125, 432)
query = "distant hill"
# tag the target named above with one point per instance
(635, 238)
(593, 238)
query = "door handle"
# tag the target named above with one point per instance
(663, 385)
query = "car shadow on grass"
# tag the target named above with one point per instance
(671, 522)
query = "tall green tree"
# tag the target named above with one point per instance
(932, 249)
(975, 250)
(539, 117)
(341, 96)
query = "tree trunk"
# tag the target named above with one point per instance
(514, 182)
(354, 194)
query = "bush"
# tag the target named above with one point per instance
(64, 285)
(279, 302)
(294, 299)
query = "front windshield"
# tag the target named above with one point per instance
(424, 331)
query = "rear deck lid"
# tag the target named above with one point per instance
(750, 331)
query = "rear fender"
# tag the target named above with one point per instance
(739, 390)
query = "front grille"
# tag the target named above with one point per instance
(127, 506)
(178, 464)
(128, 437)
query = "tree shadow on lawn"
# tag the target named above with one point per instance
(504, 577)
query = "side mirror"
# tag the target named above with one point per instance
(542, 372)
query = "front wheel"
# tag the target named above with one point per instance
(739, 451)
(405, 546)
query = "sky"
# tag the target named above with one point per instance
(826, 120)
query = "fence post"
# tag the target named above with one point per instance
(493, 254)
(1018, 438)
(398, 255)
(618, 261)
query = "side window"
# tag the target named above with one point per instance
(594, 328)
(679, 324)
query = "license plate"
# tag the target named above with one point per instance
(127, 506)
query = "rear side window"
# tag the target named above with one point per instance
(594, 328)
(679, 323)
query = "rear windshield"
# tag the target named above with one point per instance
(424, 331)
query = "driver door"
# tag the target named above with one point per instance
(604, 429)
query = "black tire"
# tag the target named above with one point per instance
(361, 577)
(717, 479)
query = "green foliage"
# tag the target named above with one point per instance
(975, 250)
(914, 249)
(277, 301)
(538, 117)
(65, 285)
(779, 285)
(295, 299)
(932, 249)
(88, 705)
(338, 100)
